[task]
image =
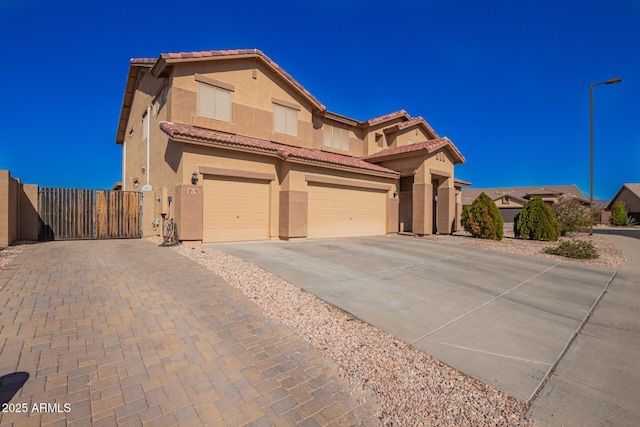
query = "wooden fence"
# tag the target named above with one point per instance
(68, 214)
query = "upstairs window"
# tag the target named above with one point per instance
(214, 102)
(285, 120)
(336, 138)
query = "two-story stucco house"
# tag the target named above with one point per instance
(246, 153)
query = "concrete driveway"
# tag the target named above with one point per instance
(503, 319)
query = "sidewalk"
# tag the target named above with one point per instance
(598, 381)
(128, 333)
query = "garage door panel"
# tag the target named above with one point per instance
(336, 211)
(235, 210)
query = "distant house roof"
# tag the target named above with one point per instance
(522, 193)
(428, 146)
(633, 188)
(282, 151)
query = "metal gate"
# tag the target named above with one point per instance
(69, 213)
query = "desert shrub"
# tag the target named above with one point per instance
(629, 221)
(571, 215)
(618, 213)
(536, 222)
(483, 219)
(577, 249)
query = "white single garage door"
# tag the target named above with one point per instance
(235, 210)
(336, 211)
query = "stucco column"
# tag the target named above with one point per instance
(188, 205)
(422, 207)
(446, 209)
(394, 209)
(294, 207)
(293, 204)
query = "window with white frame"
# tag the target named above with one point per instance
(336, 138)
(285, 120)
(214, 102)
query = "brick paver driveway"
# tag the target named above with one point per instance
(126, 332)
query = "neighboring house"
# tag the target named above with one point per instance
(511, 200)
(630, 195)
(247, 153)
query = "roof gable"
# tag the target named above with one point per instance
(167, 59)
(428, 146)
(633, 188)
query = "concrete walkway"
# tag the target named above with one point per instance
(597, 383)
(127, 333)
(501, 318)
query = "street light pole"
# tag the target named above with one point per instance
(608, 82)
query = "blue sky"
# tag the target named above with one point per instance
(507, 81)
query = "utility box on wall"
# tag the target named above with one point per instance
(188, 211)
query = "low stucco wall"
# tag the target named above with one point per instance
(18, 210)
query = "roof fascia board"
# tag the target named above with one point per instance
(127, 100)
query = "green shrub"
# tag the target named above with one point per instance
(483, 219)
(577, 249)
(571, 215)
(618, 213)
(536, 222)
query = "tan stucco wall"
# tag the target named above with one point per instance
(631, 201)
(252, 100)
(7, 230)
(188, 205)
(18, 210)
(149, 215)
(29, 212)
(165, 159)
(416, 134)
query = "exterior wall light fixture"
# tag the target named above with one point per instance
(194, 178)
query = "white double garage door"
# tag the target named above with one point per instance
(237, 210)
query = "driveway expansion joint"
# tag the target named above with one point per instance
(462, 316)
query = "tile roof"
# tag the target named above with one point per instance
(414, 122)
(210, 54)
(469, 195)
(143, 61)
(429, 146)
(390, 116)
(281, 150)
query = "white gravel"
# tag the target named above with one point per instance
(413, 388)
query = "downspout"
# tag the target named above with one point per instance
(148, 130)
(124, 165)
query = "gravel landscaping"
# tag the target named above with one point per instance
(611, 257)
(412, 387)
